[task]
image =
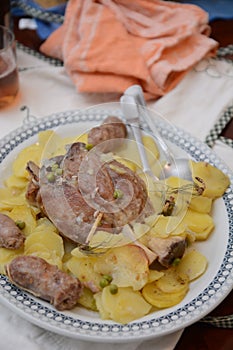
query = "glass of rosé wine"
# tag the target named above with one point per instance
(9, 81)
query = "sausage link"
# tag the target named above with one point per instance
(111, 129)
(45, 281)
(11, 236)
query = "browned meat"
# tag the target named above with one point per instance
(167, 249)
(45, 281)
(133, 197)
(99, 181)
(88, 186)
(33, 170)
(88, 171)
(72, 160)
(66, 208)
(111, 129)
(11, 236)
(32, 193)
(64, 203)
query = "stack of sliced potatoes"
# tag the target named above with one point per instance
(168, 290)
(132, 288)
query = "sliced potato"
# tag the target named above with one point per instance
(156, 297)
(9, 198)
(201, 224)
(104, 314)
(87, 299)
(16, 182)
(198, 222)
(32, 153)
(34, 248)
(6, 255)
(154, 275)
(177, 182)
(215, 180)
(26, 214)
(128, 266)
(44, 136)
(78, 253)
(165, 225)
(201, 204)
(50, 256)
(139, 230)
(193, 264)
(40, 250)
(173, 281)
(44, 224)
(51, 143)
(49, 239)
(124, 306)
(204, 235)
(152, 152)
(83, 268)
(182, 193)
(102, 239)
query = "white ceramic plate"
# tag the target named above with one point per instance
(205, 293)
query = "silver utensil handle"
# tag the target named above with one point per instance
(141, 148)
(130, 110)
(135, 91)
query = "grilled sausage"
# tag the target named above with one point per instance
(45, 281)
(111, 129)
(11, 236)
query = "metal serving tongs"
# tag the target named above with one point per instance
(134, 108)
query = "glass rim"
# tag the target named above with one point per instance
(11, 37)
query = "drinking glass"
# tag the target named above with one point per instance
(9, 81)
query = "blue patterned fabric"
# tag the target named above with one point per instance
(217, 9)
(44, 28)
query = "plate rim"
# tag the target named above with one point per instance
(138, 329)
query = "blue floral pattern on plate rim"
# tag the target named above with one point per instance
(47, 317)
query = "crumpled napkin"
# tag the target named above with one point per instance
(108, 45)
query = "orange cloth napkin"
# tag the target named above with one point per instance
(108, 45)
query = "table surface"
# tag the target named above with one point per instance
(199, 336)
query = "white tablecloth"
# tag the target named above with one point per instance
(195, 105)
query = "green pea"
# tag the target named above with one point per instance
(113, 288)
(59, 171)
(118, 194)
(89, 146)
(103, 282)
(50, 177)
(176, 262)
(108, 278)
(20, 224)
(54, 166)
